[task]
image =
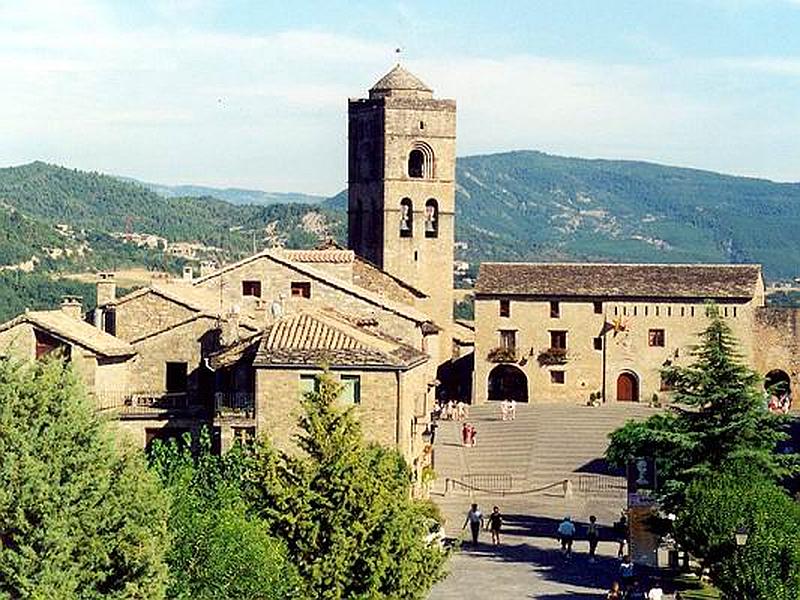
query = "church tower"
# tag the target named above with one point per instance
(401, 201)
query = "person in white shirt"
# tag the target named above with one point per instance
(512, 409)
(475, 521)
(504, 410)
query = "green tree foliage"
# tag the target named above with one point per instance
(218, 549)
(718, 415)
(345, 510)
(768, 566)
(80, 517)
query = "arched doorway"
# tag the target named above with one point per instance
(627, 387)
(778, 385)
(507, 382)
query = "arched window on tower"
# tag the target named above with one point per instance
(416, 164)
(406, 218)
(431, 218)
(420, 161)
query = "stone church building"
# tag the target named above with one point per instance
(234, 348)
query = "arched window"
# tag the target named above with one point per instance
(406, 218)
(431, 218)
(420, 161)
(416, 164)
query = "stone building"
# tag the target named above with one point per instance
(560, 332)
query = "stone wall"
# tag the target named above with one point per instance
(778, 333)
(389, 403)
(627, 351)
(148, 313)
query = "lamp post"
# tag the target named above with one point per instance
(741, 536)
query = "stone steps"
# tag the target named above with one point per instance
(544, 444)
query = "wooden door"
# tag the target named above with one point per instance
(627, 388)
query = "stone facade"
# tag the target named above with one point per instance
(567, 347)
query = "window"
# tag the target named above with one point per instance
(655, 337)
(508, 339)
(505, 308)
(301, 289)
(557, 377)
(558, 339)
(598, 308)
(351, 389)
(406, 218)
(725, 311)
(431, 218)
(555, 310)
(691, 310)
(176, 377)
(683, 311)
(669, 311)
(251, 288)
(656, 309)
(634, 311)
(734, 312)
(110, 321)
(422, 124)
(416, 164)
(598, 343)
(308, 384)
(645, 311)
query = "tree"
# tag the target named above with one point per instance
(80, 516)
(345, 509)
(718, 416)
(768, 566)
(219, 549)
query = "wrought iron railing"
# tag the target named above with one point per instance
(145, 403)
(235, 404)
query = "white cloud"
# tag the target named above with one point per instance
(175, 104)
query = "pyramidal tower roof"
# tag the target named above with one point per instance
(400, 83)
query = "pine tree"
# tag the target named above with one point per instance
(718, 416)
(345, 508)
(80, 516)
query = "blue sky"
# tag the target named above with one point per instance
(253, 93)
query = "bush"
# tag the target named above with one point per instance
(768, 566)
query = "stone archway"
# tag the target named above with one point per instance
(627, 387)
(507, 382)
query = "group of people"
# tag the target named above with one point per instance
(468, 435)
(476, 522)
(452, 411)
(508, 410)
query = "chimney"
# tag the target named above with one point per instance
(106, 289)
(72, 306)
(188, 274)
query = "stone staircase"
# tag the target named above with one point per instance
(546, 443)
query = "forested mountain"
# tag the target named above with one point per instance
(72, 210)
(232, 195)
(534, 206)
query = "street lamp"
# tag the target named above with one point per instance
(741, 536)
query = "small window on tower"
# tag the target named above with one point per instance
(431, 219)
(422, 124)
(505, 308)
(406, 218)
(555, 310)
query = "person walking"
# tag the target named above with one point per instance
(512, 409)
(504, 410)
(473, 434)
(475, 521)
(621, 534)
(593, 536)
(465, 434)
(626, 573)
(495, 524)
(566, 533)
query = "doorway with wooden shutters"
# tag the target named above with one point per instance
(627, 387)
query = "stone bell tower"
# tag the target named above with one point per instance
(401, 202)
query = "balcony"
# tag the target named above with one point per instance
(502, 354)
(145, 404)
(552, 356)
(235, 404)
